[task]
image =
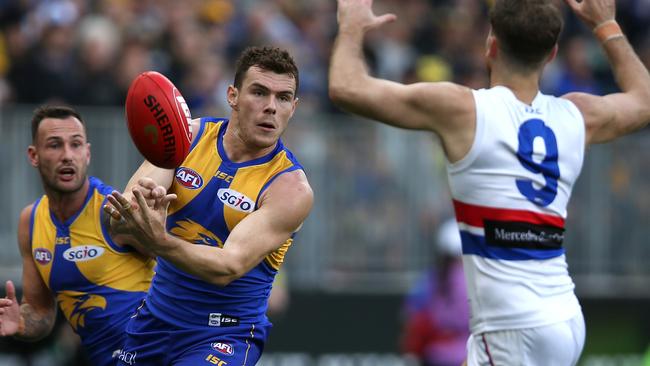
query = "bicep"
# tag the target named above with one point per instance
(421, 106)
(607, 117)
(35, 292)
(284, 207)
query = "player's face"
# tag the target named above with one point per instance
(61, 154)
(264, 104)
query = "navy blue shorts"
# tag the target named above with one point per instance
(151, 341)
(105, 353)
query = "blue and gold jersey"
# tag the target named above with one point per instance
(214, 194)
(97, 284)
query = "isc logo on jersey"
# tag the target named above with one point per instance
(188, 178)
(83, 253)
(236, 200)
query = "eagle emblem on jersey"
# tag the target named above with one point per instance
(194, 232)
(75, 305)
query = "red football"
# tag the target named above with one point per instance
(158, 120)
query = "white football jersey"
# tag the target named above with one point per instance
(510, 194)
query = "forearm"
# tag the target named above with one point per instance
(160, 176)
(347, 67)
(631, 75)
(634, 81)
(208, 263)
(34, 324)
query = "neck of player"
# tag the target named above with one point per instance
(64, 205)
(525, 86)
(238, 147)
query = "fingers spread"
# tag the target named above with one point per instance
(115, 214)
(158, 192)
(165, 201)
(141, 201)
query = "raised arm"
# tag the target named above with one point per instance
(614, 115)
(282, 209)
(444, 108)
(34, 318)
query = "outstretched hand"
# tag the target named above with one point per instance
(150, 190)
(9, 312)
(147, 222)
(358, 14)
(593, 12)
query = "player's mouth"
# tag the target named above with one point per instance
(66, 174)
(267, 126)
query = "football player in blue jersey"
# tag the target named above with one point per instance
(222, 231)
(69, 258)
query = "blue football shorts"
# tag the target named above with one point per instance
(151, 341)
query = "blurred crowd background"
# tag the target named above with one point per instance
(86, 52)
(381, 193)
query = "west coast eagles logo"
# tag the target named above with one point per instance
(75, 305)
(195, 233)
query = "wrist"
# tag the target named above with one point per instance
(351, 31)
(166, 246)
(21, 327)
(607, 31)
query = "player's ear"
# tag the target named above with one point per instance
(552, 55)
(491, 46)
(32, 156)
(233, 96)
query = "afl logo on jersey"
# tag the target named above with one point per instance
(223, 347)
(236, 200)
(83, 253)
(188, 178)
(42, 256)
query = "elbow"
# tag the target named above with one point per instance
(643, 110)
(229, 274)
(336, 93)
(341, 95)
(222, 281)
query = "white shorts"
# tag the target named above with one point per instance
(557, 344)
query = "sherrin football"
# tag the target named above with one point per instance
(158, 120)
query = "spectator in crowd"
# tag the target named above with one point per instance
(436, 324)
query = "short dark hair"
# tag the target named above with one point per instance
(267, 58)
(527, 30)
(49, 111)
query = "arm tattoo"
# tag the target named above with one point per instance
(37, 325)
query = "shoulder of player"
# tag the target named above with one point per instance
(290, 188)
(593, 108)
(447, 105)
(24, 229)
(195, 125)
(445, 94)
(586, 103)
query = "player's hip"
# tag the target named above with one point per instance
(555, 344)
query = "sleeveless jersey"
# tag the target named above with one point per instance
(510, 194)
(214, 194)
(97, 284)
